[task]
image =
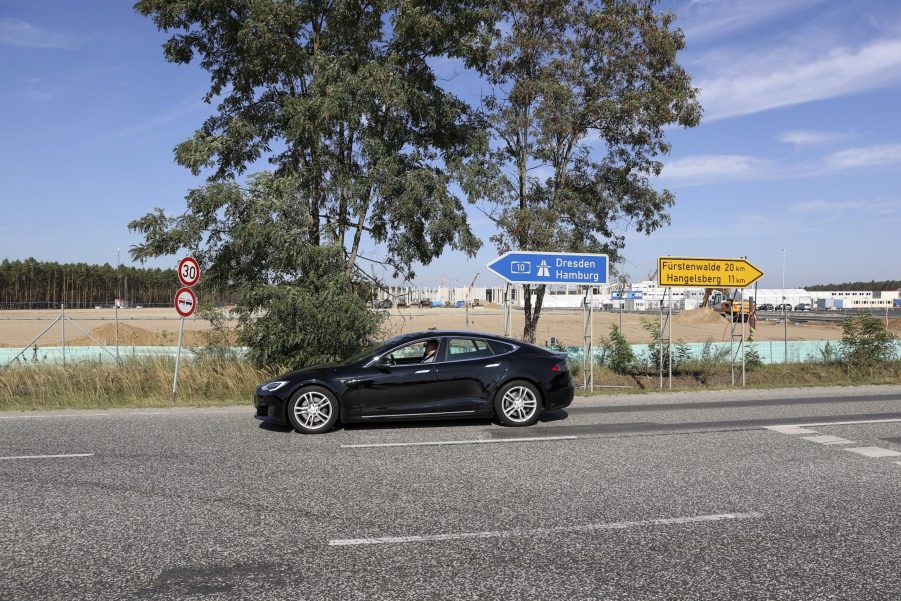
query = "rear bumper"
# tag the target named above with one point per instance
(560, 398)
(269, 408)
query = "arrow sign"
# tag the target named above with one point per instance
(526, 267)
(693, 272)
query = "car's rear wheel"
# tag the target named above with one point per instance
(517, 403)
(313, 410)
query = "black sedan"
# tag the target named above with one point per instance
(427, 375)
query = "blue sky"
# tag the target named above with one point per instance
(800, 147)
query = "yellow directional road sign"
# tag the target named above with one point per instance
(706, 273)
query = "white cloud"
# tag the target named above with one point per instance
(762, 84)
(870, 206)
(38, 95)
(188, 106)
(716, 168)
(799, 137)
(14, 32)
(707, 168)
(866, 156)
(706, 19)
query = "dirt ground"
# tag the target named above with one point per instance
(141, 327)
(137, 327)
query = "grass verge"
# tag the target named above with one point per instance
(148, 382)
(135, 383)
(719, 377)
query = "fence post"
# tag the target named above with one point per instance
(62, 322)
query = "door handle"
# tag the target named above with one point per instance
(423, 371)
(493, 365)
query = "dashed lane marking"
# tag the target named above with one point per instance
(828, 440)
(874, 452)
(455, 442)
(47, 456)
(387, 540)
(791, 430)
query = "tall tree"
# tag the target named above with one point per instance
(337, 95)
(582, 92)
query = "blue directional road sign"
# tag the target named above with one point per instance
(525, 267)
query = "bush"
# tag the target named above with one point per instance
(620, 357)
(866, 343)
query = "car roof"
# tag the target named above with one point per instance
(464, 334)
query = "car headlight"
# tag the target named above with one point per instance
(271, 386)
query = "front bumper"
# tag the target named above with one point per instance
(269, 407)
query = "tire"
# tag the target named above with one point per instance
(324, 412)
(517, 404)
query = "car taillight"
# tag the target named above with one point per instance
(558, 367)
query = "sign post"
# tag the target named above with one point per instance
(536, 268)
(185, 305)
(699, 272)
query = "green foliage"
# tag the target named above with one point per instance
(340, 98)
(620, 356)
(41, 283)
(866, 342)
(311, 321)
(586, 91)
(752, 357)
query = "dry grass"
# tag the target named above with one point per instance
(136, 383)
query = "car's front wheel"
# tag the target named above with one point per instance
(517, 404)
(313, 410)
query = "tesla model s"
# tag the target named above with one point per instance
(426, 375)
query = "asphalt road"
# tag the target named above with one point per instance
(678, 496)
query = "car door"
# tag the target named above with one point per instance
(467, 375)
(397, 385)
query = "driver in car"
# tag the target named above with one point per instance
(431, 347)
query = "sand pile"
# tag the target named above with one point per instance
(698, 317)
(133, 336)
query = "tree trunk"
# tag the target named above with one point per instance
(532, 313)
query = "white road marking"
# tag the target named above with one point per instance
(345, 542)
(851, 423)
(450, 442)
(874, 452)
(828, 440)
(47, 456)
(791, 430)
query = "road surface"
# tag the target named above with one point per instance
(781, 494)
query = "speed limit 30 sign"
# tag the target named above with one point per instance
(188, 271)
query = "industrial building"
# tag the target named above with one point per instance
(639, 296)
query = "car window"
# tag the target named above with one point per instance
(500, 348)
(460, 349)
(412, 353)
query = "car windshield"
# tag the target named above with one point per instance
(372, 350)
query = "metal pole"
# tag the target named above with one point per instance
(33, 340)
(743, 322)
(118, 294)
(784, 316)
(181, 333)
(669, 319)
(591, 339)
(62, 322)
(660, 338)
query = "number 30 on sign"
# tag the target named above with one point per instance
(188, 271)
